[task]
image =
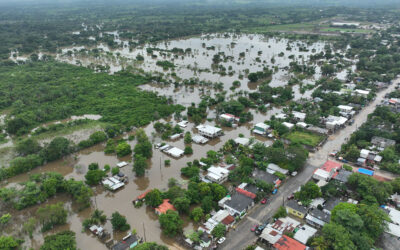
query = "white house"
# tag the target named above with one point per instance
(272, 168)
(288, 125)
(112, 183)
(209, 131)
(242, 141)
(261, 128)
(361, 92)
(304, 233)
(229, 118)
(174, 151)
(217, 174)
(299, 116)
(333, 122)
(345, 108)
(122, 164)
(199, 139)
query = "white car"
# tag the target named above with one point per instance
(221, 240)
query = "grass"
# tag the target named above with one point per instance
(344, 30)
(304, 138)
(282, 27)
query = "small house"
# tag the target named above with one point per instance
(304, 233)
(229, 118)
(342, 176)
(199, 139)
(287, 243)
(288, 125)
(209, 131)
(141, 197)
(128, 242)
(237, 204)
(220, 217)
(293, 208)
(261, 128)
(267, 177)
(299, 116)
(164, 207)
(217, 174)
(183, 124)
(122, 164)
(381, 142)
(174, 151)
(242, 141)
(274, 231)
(317, 218)
(360, 92)
(330, 204)
(272, 168)
(112, 183)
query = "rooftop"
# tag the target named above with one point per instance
(126, 243)
(331, 203)
(329, 165)
(287, 243)
(276, 168)
(245, 192)
(265, 176)
(294, 205)
(165, 206)
(239, 202)
(316, 213)
(304, 233)
(209, 129)
(343, 175)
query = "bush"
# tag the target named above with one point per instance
(188, 150)
(280, 213)
(115, 170)
(119, 222)
(123, 149)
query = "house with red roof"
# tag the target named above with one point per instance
(287, 243)
(141, 197)
(327, 171)
(164, 207)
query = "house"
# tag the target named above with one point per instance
(333, 122)
(302, 125)
(317, 218)
(293, 208)
(222, 216)
(174, 151)
(261, 128)
(274, 231)
(205, 240)
(395, 199)
(364, 153)
(393, 226)
(304, 233)
(209, 131)
(272, 168)
(249, 187)
(330, 204)
(363, 93)
(183, 124)
(267, 177)
(229, 118)
(327, 171)
(242, 141)
(299, 116)
(164, 207)
(381, 142)
(217, 174)
(287, 243)
(128, 242)
(317, 202)
(141, 197)
(122, 164)
(342, 176)
(245, 192)
(237, 204)
(281, 116)
(176, 136)
(199, 139)
(288, 125)
(345, 109)
(112, 183)
(361, 161)
(365, 171)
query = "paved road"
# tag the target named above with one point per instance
(242, 236)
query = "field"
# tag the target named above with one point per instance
(304, 138)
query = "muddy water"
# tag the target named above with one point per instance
(143, 219)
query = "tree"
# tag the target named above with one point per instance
(280, 213)
(52, 215)
(197, 214)
(182, 204)
(97, 137)
(338, 237)
(140, 165)
(153, 198)
(308, 192)
(8, 243)
(62, 240)
(343, 206)
(79, 191)
(123, 149)
(57, 148)
(171, 223)
(219, 231)
(349, 220)
(93, 177)
(150, 246)
(188, 150)
(115, 170)
(352, 153)
(188, 138)
(118, 222)
(28, 146)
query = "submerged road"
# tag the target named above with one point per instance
(241, 237)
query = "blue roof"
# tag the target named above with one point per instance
(366, 171)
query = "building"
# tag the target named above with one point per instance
(183, 124)
(242, 141)
(274, 231)
(381, 142)
(330, 204)
(363, 93)
(141, 197)
(122, 164)
(112, 183)
(365, 171)
(222, 216)
(317, 218)
(128, 242)
(327, 171)
(164, 207)
(237, 204)
(304, 233)
(288, 125)
(229, 118)
(334, 122)
(287, 243)
(302, 125)
(395, 199)
(345, 109)
(209, 131)
(393, 226)
(217, 174)
(272, 168)
(299, 116)
(343, 175)
(293, 208)
(267, 177)
(261, 128)
(174, 151)
(199, 139)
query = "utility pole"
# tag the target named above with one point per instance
(144, 232)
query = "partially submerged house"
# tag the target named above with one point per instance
(199, 139)
(122, 164)
(229, 118)
(172, 151)
(112, 183)
(128, 242)
(209, 131)
(242, 141)
(217, 174)
(164, 207)
(261, 128)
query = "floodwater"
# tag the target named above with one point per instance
(258, 53)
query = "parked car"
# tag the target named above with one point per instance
(275, 191)
(294, 173)
(260, 229)
(263, 201)
(333, 153)
(254, 228)
(221, 240)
